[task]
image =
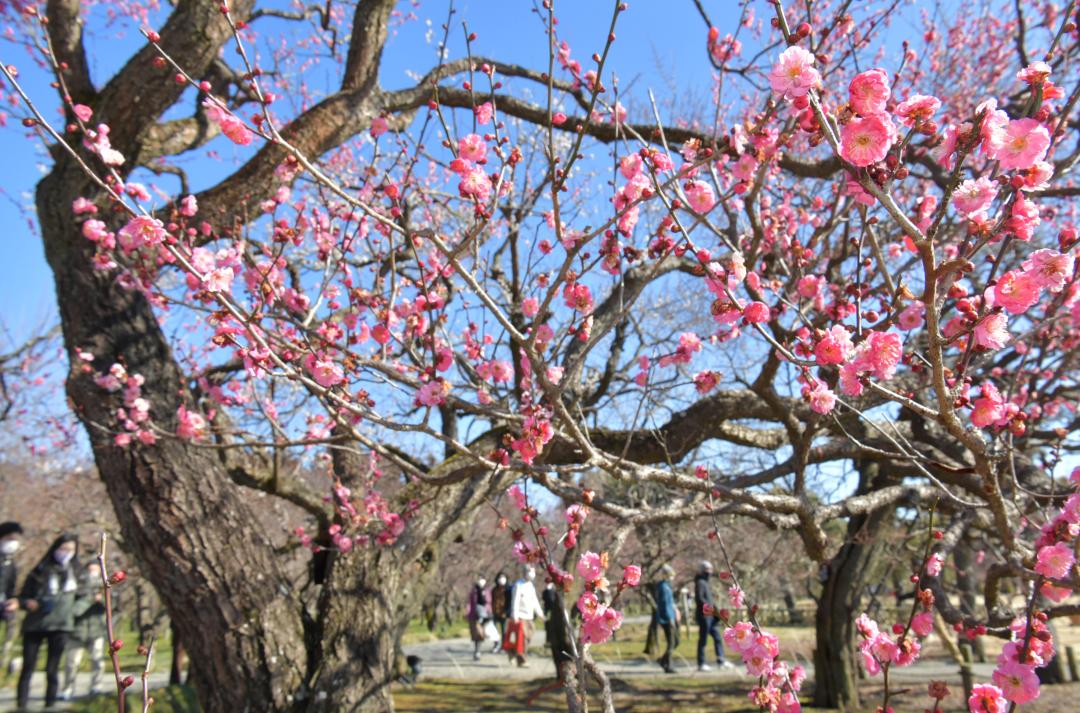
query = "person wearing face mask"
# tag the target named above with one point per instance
(10, 540)
(478, 613)
(500, 607)
(50, 596)
(524, 608)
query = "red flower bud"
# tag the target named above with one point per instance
(128, 680)
(117, 577)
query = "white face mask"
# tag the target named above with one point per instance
(501, 580)
(481, 583)
(530, 575)
(9, 547)
(63, 557)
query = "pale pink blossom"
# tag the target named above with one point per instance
(433, 393)
(1018, 682)
(820, 397)
(992, 332)
(484, 112)
(590, 566)
(794, 75)
(83, 112)
(934, 563)
(323, 369)
(1049, 268)
(974, 196)
(918, 109)
(700, 195)
(379, 126)
(228, 122)
(141, 231)
(866, 140)
(1024, 142)
(189, 206)
(923, 623)
(912, 316)
(1034, 73)
(190, 424)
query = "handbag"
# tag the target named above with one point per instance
(490, 632)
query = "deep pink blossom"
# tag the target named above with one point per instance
(989, 407)
(868, 92)
(631, 575)
(756, 312)
(1055, 561)
(834, 347)
(986, 698)
(866, 140)
(1016, 291)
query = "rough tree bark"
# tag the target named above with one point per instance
(835, 663)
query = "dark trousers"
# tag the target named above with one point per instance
(32, 642)
(669, 638)
(707, 628)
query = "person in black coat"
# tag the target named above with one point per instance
(704, 613)
(10, 536)
(50, 596)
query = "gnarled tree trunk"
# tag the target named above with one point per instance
(835, 659)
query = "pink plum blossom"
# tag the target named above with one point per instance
(869, 92)
(866, 140)
(1024, 142)
(794, 75)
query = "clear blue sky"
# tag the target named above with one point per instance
(661, 45)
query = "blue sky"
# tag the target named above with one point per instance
(660, 45)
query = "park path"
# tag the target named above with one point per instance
(82, 684)
(453, 659)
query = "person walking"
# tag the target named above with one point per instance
(524, 608)
(705, 615)
(478, 613)
(88, 635)
(666, 615)
(49, 596)
(500, 607)
(10, 541)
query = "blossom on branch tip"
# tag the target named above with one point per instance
(794, 74)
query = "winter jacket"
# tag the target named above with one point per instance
(89, 615)
(56, 589)
(8, 574)
(702, 596)
(478, 606)
(500, 601)
(665, 603)
(524, 604)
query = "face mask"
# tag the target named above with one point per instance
(63, 557)
(530, 576)
(9, 547)
(502, 580)
(481, 583)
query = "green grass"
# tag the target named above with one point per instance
(131, 662)
(417, 631)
